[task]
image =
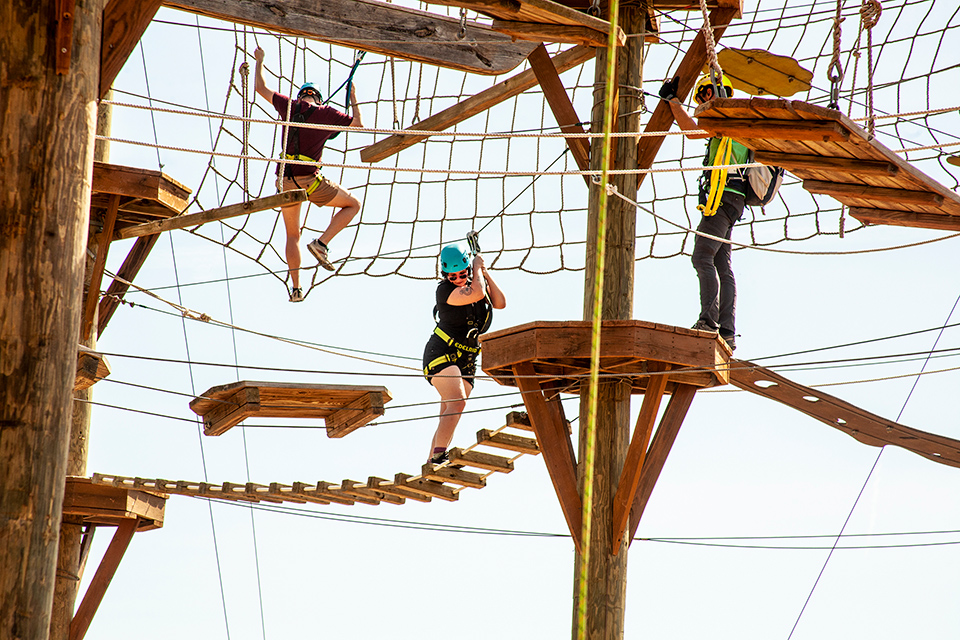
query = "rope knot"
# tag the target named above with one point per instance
(870, 13)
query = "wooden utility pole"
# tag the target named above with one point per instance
(606, 574)
(48, 90)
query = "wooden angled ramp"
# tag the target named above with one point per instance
(833, 156)
(856, 422)
(345, 408)
(468, 467)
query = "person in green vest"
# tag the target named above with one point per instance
(721, 197)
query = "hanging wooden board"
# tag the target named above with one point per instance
(833, 156)
(761, 73)
(377, 27)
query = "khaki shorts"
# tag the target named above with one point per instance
(321, 196)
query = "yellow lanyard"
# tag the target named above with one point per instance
(718, 177)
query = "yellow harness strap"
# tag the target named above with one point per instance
(718, 177)
(450, 341)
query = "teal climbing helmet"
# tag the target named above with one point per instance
(310, 89)
(453, 258)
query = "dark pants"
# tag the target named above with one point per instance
(712, 260)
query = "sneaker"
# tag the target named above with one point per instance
(703, 325)
(320, 253)
(439, 458)
(296, 294)
(731, 341)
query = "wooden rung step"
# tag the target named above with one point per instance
(285, 493)
(319, 494)
(385, 486)
(480, 460)
(354, 488)
(508, 441)
(518, 420)
(426, 487)
(452, 474)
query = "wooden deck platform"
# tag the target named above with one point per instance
(345, 408)
(833, 156)
(146, 195)
(111, 506)
(467, 468)
(634, 350)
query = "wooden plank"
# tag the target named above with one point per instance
(473, 105)
(556, 446)
(378, 27)
(636, 453)
(96, 273)
(480, 460)
(355, 415)
(424, 487)
(63, 42)
(843, 191)
(851, 166)
(385, 486)
(352, 487)
(560, 105)
(538, 32)
(285, 493)
(656, 456)
(508, 442)
(211, 215)
(128, 271)
(906, 218)
(858, 423)
(518, 420)
(91, 368)
(103, 504)
(538, 11)
(308, 492)
(453, 475)
(231, 411)
(745, 129)
(124, 21)
(688, 71)
(101, 579)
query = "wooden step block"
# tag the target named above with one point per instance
(426, 487)
(385, 486)
(481, 460)
(91, 367)
(285, 493)
(519, 420)
(508, 441)
(431, 471)
(319, 494)
(354, 488)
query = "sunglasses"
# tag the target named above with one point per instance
(453, 277)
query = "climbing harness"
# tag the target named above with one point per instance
(453, 343)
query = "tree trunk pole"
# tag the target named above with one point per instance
(607, 573)
(69, 562)
(46, 152)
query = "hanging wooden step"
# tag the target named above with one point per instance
(345, 408)
(508, 441)
(91, 368)
(833, 156)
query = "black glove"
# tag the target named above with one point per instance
(669, 88)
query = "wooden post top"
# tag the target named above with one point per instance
(629, 349)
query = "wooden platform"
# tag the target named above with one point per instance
(146, 195)
(111, 506)
(833, 156)
(345, 408)
(633, 350)
(467, 468)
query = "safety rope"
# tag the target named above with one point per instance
(835, 71)
(869, 16)
(286, 129)
(716, 73)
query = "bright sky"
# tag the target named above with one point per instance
(743, 517)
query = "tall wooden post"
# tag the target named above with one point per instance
(70, 559)
(606, 574)
(48, 90)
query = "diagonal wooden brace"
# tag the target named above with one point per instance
(548, 424)
(659, 450)
(636, 453)
(96, 274)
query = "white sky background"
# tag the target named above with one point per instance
(742, 465)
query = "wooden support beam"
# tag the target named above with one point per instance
(556, 446)
(853, 166)
(906, 218)
(559, 101)
(539, 11)
(538, 32)
(508, 441)
(473, 105)
(480, 460)
(636, 453)
(858, 423)
(659, 450)
(101, 580)
(275, 201)
(64, 39)
(447, 473)
(776, 129)
(355, 415)
(378, 27)
(124, 22)
(91, 368)
(842, 191)
(128, 271)
(96, 273)
(688, 71)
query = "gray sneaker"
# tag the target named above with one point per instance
(320, 253)
(703, 325)
(296, 294)
(731, 342)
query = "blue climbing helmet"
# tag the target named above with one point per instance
(309, 89)
(453, 258)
